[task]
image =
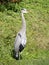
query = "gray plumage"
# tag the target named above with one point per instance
(20, 40)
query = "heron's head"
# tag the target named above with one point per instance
(24, 11)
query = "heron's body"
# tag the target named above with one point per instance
(20, 40)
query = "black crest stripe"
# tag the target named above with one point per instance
(19, 34)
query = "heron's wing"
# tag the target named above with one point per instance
(23, 41)
(17, 41)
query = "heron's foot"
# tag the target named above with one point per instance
(17, 58)
(20, 57)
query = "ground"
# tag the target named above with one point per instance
(36, 51)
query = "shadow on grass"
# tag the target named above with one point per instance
(8, 5)
(4, 6)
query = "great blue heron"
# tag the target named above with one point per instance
(20, 40)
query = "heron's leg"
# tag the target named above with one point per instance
(20, 57)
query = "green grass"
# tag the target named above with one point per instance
(37, 20)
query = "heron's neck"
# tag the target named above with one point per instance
(23, 23)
